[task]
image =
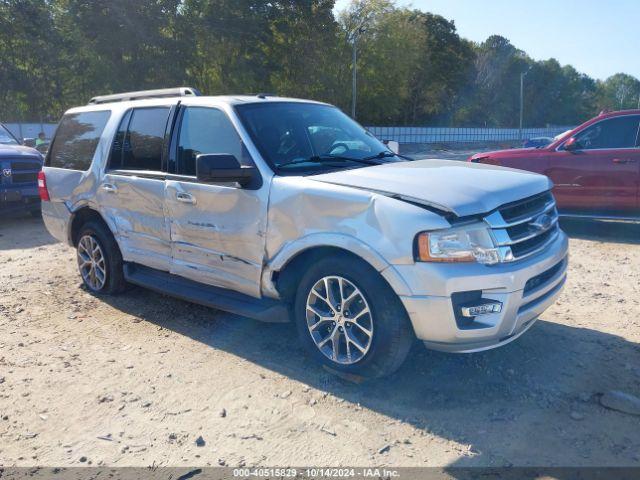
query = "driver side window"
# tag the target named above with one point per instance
(617, 132)
(206, 130)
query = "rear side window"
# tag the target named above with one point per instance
(139, 142)
(76, 140)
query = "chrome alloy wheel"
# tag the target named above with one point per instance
(91, 263)
(339, 320)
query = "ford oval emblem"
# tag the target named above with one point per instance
(542, 222)
(6, 172)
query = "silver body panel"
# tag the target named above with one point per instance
(136, 208)
(218, 240)
(237, 238)
(459, 187)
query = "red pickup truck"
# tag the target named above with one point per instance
(595, 167)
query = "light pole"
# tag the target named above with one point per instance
(522, 75)
(354, 68)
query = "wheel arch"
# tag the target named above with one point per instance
(282, 272)
(80, 217)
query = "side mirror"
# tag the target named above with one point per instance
(393, 145)
(571, 145)
(222, 168)
(29, 142)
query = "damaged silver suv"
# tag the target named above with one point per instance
(279, 209)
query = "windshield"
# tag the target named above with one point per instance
(6, 138)
(301, 138)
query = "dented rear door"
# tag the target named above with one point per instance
(131, 193)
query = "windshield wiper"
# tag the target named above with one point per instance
(331, 158)
(387, 154)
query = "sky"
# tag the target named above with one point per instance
(597, 37)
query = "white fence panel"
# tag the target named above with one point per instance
(460, 135)
(31, 130)
(398, 134)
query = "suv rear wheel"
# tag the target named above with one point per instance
(349, 318)
(99, 259)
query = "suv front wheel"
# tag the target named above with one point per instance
(349, 318)
(99, 259)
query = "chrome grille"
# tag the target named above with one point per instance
(25, 177)
(25, 170)
(19, 165)
(525, 227)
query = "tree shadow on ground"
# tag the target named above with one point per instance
(511, 405)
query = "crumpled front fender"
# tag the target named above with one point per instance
(304, 214)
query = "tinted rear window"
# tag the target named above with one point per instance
(76, 140)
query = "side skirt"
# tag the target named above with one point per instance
(265, 309)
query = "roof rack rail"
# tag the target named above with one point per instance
(265, 95)
(159, 93)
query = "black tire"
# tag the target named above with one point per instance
(114, 276)
(35, 213)
(392, 335)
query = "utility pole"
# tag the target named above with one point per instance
(522, 75)
(354, 68)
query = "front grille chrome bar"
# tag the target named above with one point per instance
(503, 239)
(516, 237)
(506, 253)
(495, 220)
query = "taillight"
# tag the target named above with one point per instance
(42, 187)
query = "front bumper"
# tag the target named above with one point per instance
(431, 308)
(19, 198)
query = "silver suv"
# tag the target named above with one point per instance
(280, 209)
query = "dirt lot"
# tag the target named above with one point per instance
(136, 379)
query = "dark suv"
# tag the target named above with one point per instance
(19, 167)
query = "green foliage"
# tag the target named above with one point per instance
(619, 92)
(413, 68)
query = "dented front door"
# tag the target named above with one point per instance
(217, 234)
(217, 230)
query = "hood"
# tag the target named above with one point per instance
(458, 187)
(509, 152)
(18, 151)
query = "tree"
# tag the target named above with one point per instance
(498, 68)
(118, 45)
(441, 73)
(413, 66)
(29, 69)
(303, 50)
(619, 92)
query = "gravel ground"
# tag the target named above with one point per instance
(137, 379)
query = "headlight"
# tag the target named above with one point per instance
(464, 244)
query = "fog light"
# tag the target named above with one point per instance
(476, 309)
